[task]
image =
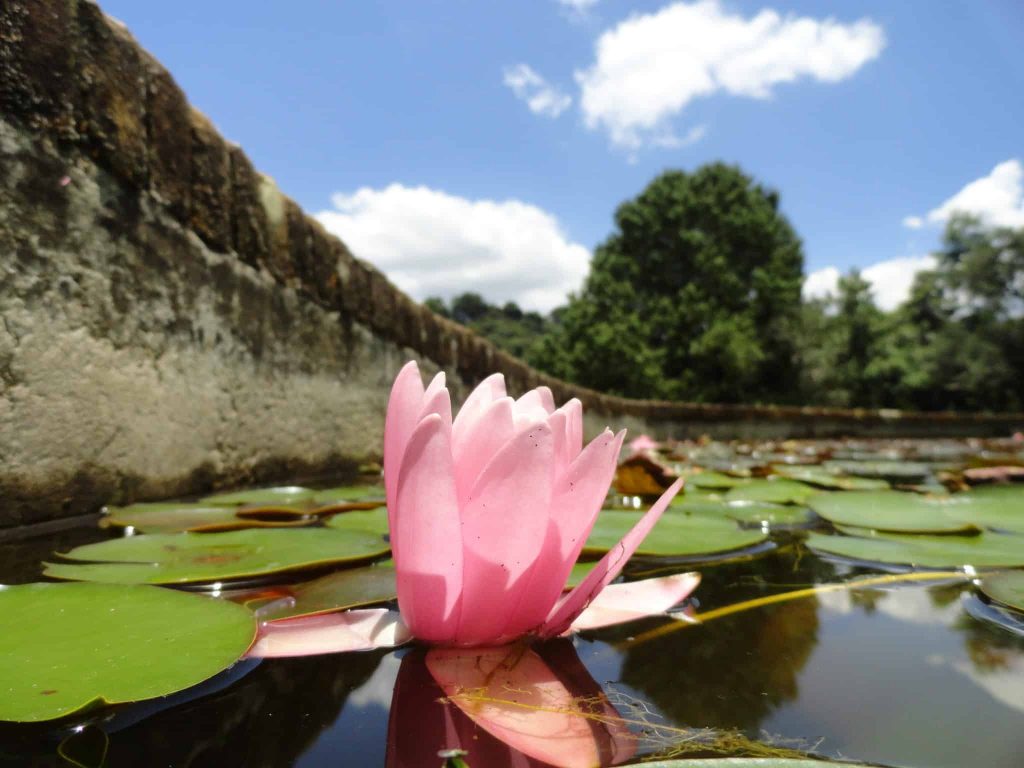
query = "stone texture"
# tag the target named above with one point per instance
(168, 138)
(209, 199)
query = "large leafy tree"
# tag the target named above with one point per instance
(694, 296)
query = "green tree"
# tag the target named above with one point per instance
(694, 296)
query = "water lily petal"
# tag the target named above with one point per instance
(403, 410)
(607, 568)
(525, 702)
(487, 391)
(573, 427)
(619, 603)
(360, 630)
(576, 502)
(504, 523)
(474, 447)
(437, 400)
(429, 571)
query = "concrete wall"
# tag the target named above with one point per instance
(170, 322)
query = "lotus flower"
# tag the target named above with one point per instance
(488, 512)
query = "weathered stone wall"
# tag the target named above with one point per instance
(170, 322)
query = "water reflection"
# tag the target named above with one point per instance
(732, 672)
(512, 706)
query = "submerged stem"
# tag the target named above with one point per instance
(797, 594)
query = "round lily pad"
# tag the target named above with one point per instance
(344, 493)
(351, 588)
(985, 550)
(68, 647)
(1006, 588)
(889, 511)
(892, 471)
(374, 521)
(714, 481)
(773, 491)
(677, 534)
(178, 517)
(206, 557)
(750, 512)
(821, 478)
(288, 494)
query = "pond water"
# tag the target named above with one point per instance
(911, 672)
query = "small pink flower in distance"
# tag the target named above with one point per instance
(489, 511)
(643, 444)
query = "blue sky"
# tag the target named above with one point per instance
(480, 145)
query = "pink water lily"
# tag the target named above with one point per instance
(489, 511)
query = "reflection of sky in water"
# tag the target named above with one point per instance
(892, 679)
(362, 727)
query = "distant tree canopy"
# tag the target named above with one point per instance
(508, 326)
(695, 296)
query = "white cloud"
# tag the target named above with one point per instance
(431, 243)
(913, 222)
(540, 96)
(821, 284)
(650, 66)
(890, 280)
(997, 199)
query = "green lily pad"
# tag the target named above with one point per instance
(68, 647)
(985, 550)
(349, 493)
(892, 471)
(178, 517)
(173, 517)
(677, 534)
(352, 588)
(578, 573)
(714, 481)
(373, 521)
(749, 512)
(1006, 588)
(822, 478)
(911, 512)
(206, 557)
(288, 494)
(773, 491)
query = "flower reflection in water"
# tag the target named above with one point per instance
(514, 705)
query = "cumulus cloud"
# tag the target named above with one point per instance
(890, 280)
(540, 96)
(431, 243)
(579, 6)
(997, 199)
(650, 66)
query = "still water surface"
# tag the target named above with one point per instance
(902, 676)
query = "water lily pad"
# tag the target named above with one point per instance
(173, 517)
(715, 481)
(985, 550)
(373, 521)
(910, 512)
(677, 534)
(750, 512)
(351, 588)
(1006, 588)
(773, 491)
(579, 573)
(822, 478)
(67, 647)
(343, 493)
(289, 494)
(205, 557)
(892, 471)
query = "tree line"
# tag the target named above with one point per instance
(696, 296)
